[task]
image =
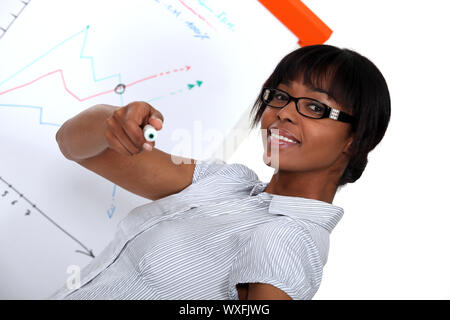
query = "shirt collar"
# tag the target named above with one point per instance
(319, 212)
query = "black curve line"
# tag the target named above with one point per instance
(88, 252)
(15, 17)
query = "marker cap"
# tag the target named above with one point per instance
(150, 133)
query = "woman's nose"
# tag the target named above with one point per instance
(288, 112)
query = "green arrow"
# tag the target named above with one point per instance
(199, 83)
(190, 86)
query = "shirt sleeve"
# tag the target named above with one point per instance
(284, 256)
(204, 168)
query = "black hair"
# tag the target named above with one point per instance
(350, 79)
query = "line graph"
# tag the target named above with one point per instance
(40, 108)
(14, 18)
(61, 74)
(91, 59)
(34, 207)
(196, 14)
(40, 57)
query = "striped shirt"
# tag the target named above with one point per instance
(221, 230)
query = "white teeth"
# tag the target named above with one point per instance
(283, 138)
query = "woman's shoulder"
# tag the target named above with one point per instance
(214, 167)
(278, 230)
(281, 253)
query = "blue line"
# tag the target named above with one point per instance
(92, 61)
(85, 30)
(114, 191)
(157, 98)
(41, 109)
(42, 56)
(90, 58)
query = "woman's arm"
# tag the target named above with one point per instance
(150, 174)
(264, 291)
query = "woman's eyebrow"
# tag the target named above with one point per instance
(311, 88)
(320, 90)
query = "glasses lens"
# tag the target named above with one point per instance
(311, 108)
(275, 98)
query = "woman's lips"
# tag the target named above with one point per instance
(281, 143)
(284, 133)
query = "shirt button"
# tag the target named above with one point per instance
(260, 200)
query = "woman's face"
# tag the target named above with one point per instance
(322, 141)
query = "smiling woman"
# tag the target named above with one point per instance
(214, 230)
(331, 84)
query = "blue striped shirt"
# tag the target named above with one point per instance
(221, 230)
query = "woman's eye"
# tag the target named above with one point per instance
(316, 108)
(280, 97)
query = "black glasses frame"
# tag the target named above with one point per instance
(331, 113)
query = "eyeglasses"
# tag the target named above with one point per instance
(307, 107)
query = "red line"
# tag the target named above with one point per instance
(28, 83)
(89, 97)
(65, 86)
(192, 10)
(141, 80)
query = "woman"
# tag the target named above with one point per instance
(214, 230)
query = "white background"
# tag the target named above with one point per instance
(393, 241)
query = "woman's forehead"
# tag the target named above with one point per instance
(309, 87)
(327, 84)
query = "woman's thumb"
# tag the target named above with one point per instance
(156, 122)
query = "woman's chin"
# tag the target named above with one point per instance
(271, 161)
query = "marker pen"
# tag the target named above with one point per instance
(150, 133)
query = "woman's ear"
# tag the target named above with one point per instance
(349, 143)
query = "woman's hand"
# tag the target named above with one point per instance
(124, 128)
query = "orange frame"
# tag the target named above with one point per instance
(298, 18)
